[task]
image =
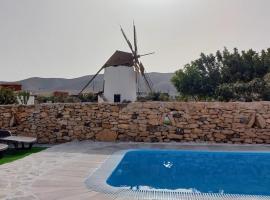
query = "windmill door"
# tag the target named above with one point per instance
(117, 98)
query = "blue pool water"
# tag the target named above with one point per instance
(215, 172)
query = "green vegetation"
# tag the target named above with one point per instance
(155, 96)
(89, 97)
(57, 99)
(7, 96)
(12, 155)
(24, 97)
(226, 76)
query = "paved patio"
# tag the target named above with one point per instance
(60, 171)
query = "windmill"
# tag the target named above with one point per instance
(122, 73)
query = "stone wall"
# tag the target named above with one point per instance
(142, 122)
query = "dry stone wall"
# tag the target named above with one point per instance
(142, 122)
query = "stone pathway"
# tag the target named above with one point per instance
(60, 171)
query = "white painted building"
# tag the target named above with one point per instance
(120, 81)
(120, 84)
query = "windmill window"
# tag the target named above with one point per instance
(117, 98)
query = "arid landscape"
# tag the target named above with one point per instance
(161, 81)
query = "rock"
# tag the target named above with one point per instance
(175, 136)
(153, 122)
(227, 132)
(90, 135)
(115, 108)
(6, 115)
(13, 121)
(67, 138)
(123, 126)
(193, 125)
(59, 135)
(260, 121)
(144, 134)
(252, 120)
(172, 119)
(243, 120)
(177, 114)
(220, 136)
(106, 136)
(197, 131)
(106, 125)
(43, 114)
(132, 134)
(248, 141)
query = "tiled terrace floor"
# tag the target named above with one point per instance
(60, 171)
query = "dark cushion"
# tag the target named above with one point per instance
(4, 133)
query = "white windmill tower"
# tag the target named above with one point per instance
(121, 74)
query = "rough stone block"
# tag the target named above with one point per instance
(106, 136)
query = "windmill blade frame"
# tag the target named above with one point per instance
(135, 41)
(127, 40)
(91, 80)
(147, 54)
(146, 79)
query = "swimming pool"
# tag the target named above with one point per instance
(192, 172)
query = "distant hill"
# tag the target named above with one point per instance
(161, 82)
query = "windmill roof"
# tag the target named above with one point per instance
(120, 58)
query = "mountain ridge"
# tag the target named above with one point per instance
(39, 85)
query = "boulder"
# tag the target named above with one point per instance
(123, 126)
(106, 135)
(251, 120)
(220, 136)
(175, 136)
(260, 121)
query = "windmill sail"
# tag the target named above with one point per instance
(138, 64)
(127, 40)
(135, 40)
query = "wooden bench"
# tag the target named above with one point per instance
(7, 137)
(3, 147)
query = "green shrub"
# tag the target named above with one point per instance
(7, 96)
(88, 97)
(155, 96)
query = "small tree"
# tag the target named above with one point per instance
(7, 96)
(189, 82)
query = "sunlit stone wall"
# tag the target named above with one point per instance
(142, 122)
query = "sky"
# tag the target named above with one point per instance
(73, 38)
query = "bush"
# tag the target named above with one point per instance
(58, 99)
(255, 90)
(225, 92)
(89, 97)
(7, 96)
(155, 96)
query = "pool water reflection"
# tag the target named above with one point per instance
(246, 173)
